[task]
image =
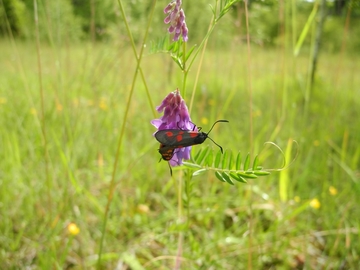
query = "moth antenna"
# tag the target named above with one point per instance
(218, 121)
(221, 149)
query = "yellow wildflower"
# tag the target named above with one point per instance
(73, 229)
(76, 102)
(143, 208)
(33, 111)
(315, 203)
(3, 100)
(333, 191)
(103, 104)
(204, 120)
(59, 107)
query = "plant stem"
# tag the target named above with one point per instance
(43, 122)
(122, 132)
(250, 128)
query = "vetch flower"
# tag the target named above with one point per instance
(176, 19)
(176, 116)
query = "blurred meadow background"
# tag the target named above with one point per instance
(81, 185)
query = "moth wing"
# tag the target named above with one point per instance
(168, 137)
(167, 152)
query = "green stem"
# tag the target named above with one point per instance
(188, 198)
(43, 122)
(66, 251)
(202, 47)
(122, 132)
(186, 72)
(250, 255)
(199, 68)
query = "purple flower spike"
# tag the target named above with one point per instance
(176, 116)
(176, 19)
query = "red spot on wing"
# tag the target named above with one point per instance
(169, 133)
(179, 138)
(193, 134)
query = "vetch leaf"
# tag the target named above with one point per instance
(224, 160)
(256, 162)
(247, 162)
(177, 61)
(209, 158)
(197, 154)
(171, 47)
(160, 45)
(198, 172)
(238, 178)
(238, 162)
(247, 175)
(261, 173)
(190, 52)
(231, 161)
(227, 178)
(218, 176)
(217, 159)
(202, 155)
(191, 165)
(174, 47)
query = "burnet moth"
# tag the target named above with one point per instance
(171, 139)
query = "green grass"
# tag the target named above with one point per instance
(43, 189)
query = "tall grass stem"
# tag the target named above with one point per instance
(122, 131)
(42, 109)
(249, 86)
